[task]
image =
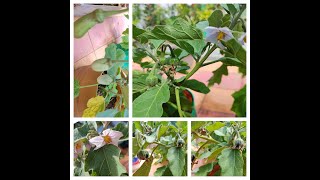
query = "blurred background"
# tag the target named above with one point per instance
(218, 102)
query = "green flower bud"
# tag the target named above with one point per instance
(143, 155)
(151, 80)
(180, 142)
(238, 143)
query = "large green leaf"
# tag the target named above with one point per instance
(215, 154)
(232, 9)
(156, 43)
(144, 169)
(196, 86)
(149, 104)
(176, 158)
(239, 104)
(215, 126)
(197, 124)
(180, 33)
(125, 94)
(202, 25)
(183, 125)
(138, 126)
(81, 132)
(76, 87)
(236, 49)
(162, 130)
(205, 169)
(135, 146)
(217, 75)
(101, 65)
(231, 162)
(105, 161)
(104, 79)
(215, 18)
(163, 171)
(113, 53)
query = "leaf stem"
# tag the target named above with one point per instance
(89, 85)
(154, 150)
(178, 102)
(126, 139)
(235, 19)
(198, 153)
(198, 65)
(206, 138)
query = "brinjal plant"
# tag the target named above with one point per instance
(112, 94)
(98, 148)
(160, 143)
(157, 92)
(218, 148)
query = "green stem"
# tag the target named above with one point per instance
(121, 140)
(206, 138)
(110, 13)
(198, 153)
(199, 64)
(178, 102)
(89, 85)
(208, 63)
(235, 19)
(154, 150)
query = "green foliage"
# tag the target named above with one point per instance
(239, 105)
(231, 162)
(162, 139)
(104, 161)
(168, 42)
(149, 104)
(218, 148)
(196, 86)
(76, 88)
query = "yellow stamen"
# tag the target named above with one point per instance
(78, 146)
(220, 35)
(245, 39)
(107, 139)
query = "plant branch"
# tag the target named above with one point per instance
(161, 144)
(89, 85)
(126, 139)
(206, 138)
(198, 65)
(235, 19)
(154, 150)
(208, 63)
(192, 163)
(178, 102)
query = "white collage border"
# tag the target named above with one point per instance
(130, 119)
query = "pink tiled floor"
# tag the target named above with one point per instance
(92, 45)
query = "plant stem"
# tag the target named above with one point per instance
(235, 19)
(198, 153)
(126, 139)
(89, 85)
(206, 138)
(208, 63)
(154, 150)
(178, 102)
(198, 65)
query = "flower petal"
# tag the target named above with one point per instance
(115, 136)
(210, 30)
(212, 37)
(106, 132)
(98, 141)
